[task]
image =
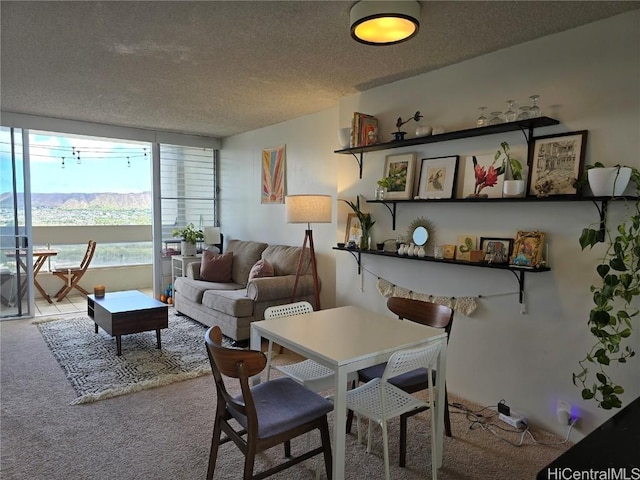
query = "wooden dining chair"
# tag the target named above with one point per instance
(269, 414)
(72, 275)
(425, 313)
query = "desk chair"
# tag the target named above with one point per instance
(425, 313)
(379, 400)
(72, 275)
(269, 413)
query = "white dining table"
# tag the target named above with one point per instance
(347, 339)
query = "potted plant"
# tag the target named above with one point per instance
(190, 236)
(383, 185)
(607, 181)
(614, 309)
(365, 222)
(513, 185)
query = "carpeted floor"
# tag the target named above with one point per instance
(165, 433)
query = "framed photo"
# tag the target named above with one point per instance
(496, 250)
(400, 169)
(437, 177)
(481, 178)
(556, 161)
(528, 250)
(353, 231)
(466, 243)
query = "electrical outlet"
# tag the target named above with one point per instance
(563, 412)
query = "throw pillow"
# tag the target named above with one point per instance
(260, 269)
(216, 267)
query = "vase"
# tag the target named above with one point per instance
(344, 137)
(379, 194)
(187, 249)
(364, 240)
(421, 253)
(608, 181)
(513, 188)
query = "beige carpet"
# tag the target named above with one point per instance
(164, 433)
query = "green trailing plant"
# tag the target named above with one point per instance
(364, 218)
(384, 182)
(612, 317)
(513, 163)
(189, 234)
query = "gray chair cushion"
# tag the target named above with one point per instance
(283, 404)
(406, 380)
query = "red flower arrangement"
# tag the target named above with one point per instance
(485, 177)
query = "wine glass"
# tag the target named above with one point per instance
(482, 120)
(496, 118)
(510, 114)
(524, 113)
(534, 111)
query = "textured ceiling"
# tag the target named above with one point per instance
(220, 68)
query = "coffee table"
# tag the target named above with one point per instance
(122, 313)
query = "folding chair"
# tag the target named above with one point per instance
(72, 275)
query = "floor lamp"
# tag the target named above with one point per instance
(308, 209)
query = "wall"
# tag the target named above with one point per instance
(588, 78)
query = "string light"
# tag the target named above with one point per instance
(62, 162)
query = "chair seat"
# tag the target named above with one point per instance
(406, 381)
(365, 400)
(276, 416)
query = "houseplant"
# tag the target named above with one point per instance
(190, 236)
(513, 185)
(365, 222)
(614, 311)
(606, 181)
(383, 185)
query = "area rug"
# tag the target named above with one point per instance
(90, 362)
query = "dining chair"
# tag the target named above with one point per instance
(379, 400)
(71, 275)
(269, 414)
(425, 313)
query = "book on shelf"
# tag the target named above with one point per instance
(364, 129)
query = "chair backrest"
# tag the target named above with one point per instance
(425, 313)
(234, 363)
(88, 255)
(287, 310)
(403, 361)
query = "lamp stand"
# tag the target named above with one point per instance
(308, 235)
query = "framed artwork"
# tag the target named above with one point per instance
(481, 178)
(466, 243)
(353, 231)
(400, 170)
(437, 177)
(273, 175)
(496, 250)
(528, 250)
(556, 161)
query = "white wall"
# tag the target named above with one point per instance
(588, 78)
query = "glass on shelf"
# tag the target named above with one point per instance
(482, 120)
(524, 113)
(534, 111)
(510, 114)
(496, 118)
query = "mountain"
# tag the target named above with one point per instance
(75, 201)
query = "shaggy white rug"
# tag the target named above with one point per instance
(90, 362)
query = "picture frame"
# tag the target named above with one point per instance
(496, 250)
(528, 249)
(465, 244)
(400, 170)
(483, 182)
(555, 162)
(437, 177)
(273, 188)
(353, 231)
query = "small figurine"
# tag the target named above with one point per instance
(400, 135)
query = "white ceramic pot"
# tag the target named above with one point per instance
(513, 188)
(344, 137)
(187, 249)
(605, 182)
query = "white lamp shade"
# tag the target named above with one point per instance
(308, 208)
(212, 235)
(384, 22)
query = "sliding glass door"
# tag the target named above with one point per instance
(16, 296)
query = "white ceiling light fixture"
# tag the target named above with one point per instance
(376, 22)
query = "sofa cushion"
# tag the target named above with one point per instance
(194, 289)
(261, 269)
(232, 302)
(245, 255)
(285, 259)
(216, 267)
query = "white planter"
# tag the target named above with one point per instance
(513, 188)
(344, 137)
(605, 182)
(187, 249)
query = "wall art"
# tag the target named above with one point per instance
(400, 171)
(437, 177)
(273, 174)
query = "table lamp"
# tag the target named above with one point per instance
(308, 209)
(212, 236)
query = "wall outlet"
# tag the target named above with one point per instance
(563, 412)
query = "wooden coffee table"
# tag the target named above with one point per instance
(122, 313)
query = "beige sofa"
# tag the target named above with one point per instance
(233, 306)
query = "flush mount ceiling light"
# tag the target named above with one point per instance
(384, 22)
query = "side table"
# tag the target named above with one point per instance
(179, 264)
